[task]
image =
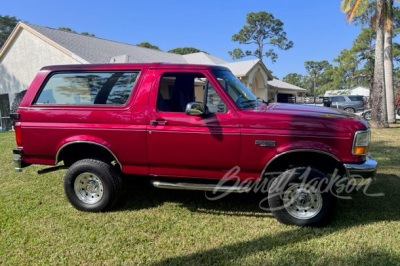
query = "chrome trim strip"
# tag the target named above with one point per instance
(202, 187)
(292, 151)
(86, 142)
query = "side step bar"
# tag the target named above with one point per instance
(203, 187)
(51, 169)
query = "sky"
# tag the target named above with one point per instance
(317, 27)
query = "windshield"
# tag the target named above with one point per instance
(241, 95)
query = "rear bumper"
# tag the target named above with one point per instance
(18, 163)
(361, 174)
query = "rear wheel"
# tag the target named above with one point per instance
(301, 196)
(92, 185)
(349, 110)
(367, 115)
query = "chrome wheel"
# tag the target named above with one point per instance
(302, 201)
(88, 188)
(367, 115)
(350, 110)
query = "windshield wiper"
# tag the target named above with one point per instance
(262, 100)
(248, 103)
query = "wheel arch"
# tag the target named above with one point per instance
(80, 149)
(321, 160)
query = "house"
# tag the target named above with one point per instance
(30, 47)
(355, 91)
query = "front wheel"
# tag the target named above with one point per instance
(92, 185)
(302, 196)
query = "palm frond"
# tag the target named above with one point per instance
(357, 9)
(345, 5)
(388, 15)
(373, 21)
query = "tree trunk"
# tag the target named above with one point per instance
(388, 48)
(378, 93)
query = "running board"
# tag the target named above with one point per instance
(203, 187)
(51, 169)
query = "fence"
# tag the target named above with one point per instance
(305, 100)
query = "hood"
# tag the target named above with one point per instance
(302, 109)
(302, 117)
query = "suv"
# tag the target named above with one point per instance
(348, 103)
(187, 127)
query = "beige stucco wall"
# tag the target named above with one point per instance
(25, 56)
(257, 81)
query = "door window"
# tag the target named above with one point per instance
(176, 90)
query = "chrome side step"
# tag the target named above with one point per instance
(203, 187)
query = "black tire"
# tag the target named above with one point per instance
(367, 115)
(349, 110)
(17, 101)
(398, 111)
(301, 196)
(92, 185)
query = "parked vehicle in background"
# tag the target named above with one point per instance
(348, 103)
(367, 113)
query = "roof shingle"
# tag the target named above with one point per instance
(96, 50)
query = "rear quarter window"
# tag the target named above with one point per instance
(88, 88)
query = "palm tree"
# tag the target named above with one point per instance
(388, 62)
(379, 116)
(354, 8)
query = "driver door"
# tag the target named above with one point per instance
(182, 145)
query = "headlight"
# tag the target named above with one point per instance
(361, 142)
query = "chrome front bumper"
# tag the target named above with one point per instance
(361, 174)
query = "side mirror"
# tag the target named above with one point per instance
(195, 108)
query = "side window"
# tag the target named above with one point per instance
(355, 98)
(88, 88)
(341, 99)
(176, 90)
(338, 99)
(215, 104)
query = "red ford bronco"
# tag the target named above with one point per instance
(187, 127)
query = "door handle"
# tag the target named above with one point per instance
(158, 122)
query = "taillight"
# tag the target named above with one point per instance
(17, 128)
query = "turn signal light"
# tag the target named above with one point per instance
(360, 150)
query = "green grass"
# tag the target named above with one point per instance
(39, 226)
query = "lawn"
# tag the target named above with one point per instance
(39, 226)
